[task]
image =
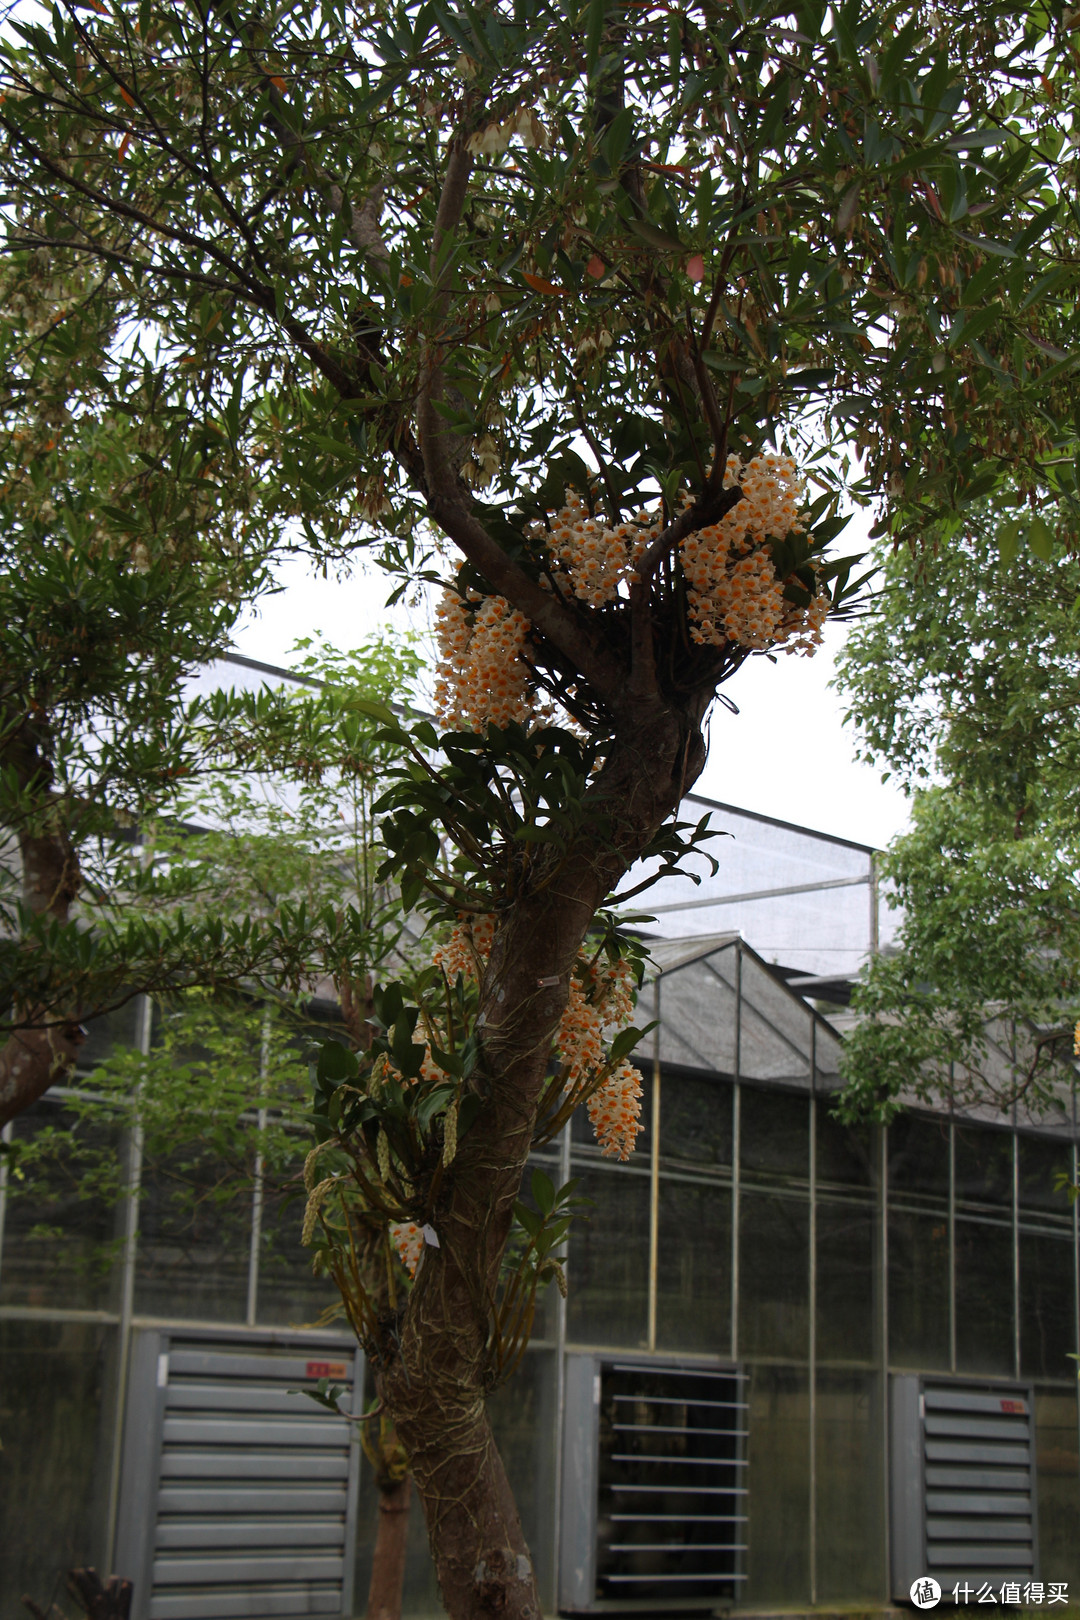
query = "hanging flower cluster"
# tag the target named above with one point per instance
(601, 996)
(733, 590)
(468, 947)
(601, 993)
(495, 138)
(615, 1111)
(408, 1240)
(595, 559)
(480, 678)
(732, 586)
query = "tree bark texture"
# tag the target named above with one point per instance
(391, 1546)
(434, 1368)
(36, 1056)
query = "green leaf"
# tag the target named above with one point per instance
(336, 1063)
(543, 1191)
(655, 236)
(528, 1218)
(626, 1040)
(987, 244)
(1040, 538)
(1008, 539)
(594, 28)
(407, 1057)
(529, 833)
(434, 1102)
(617, 138)
(977, 139)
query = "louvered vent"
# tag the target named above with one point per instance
(654, 1486)
(979, 1471)
(972, 1448)
(255, 1487)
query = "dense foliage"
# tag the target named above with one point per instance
(569, 305)
(964, 681)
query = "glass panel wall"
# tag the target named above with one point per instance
(61, 1229)
(1057, 1464)
(774, 1276)
(694, 1272)
(1047, 1271)
(609, 1256)
(56, 1423)
(985, 1283)
(848, 1232)
(779, 1476)
(919, 1244)
(194, 1240)
(693, 1307)
(757, 1231)
(849, 1474)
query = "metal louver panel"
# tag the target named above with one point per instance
(252, 1504)
(979, 1451)
(963, 1482)
(654, 1485)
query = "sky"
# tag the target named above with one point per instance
(786, 753)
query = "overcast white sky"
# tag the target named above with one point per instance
(785, 754)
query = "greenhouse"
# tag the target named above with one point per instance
(860, 1340)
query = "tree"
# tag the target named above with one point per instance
(219, 1101)
(123, 568)
(964, 682)
(131, 537)
(550, 281)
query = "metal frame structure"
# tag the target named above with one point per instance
(786, 1046)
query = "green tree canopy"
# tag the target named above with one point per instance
(964, 681)
(561, 289)
(131, 537)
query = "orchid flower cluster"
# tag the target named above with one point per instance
(734, 593)
(481, 679)
(732, 586)
(601, 995)
(408, 1241)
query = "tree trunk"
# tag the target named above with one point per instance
(45, 1049)
(474, 1531)
(391, 1545)
(31, 1061)
(435, 1374)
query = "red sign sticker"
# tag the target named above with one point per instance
(327, 1369)
(1013, 1406)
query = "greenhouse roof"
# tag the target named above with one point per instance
(723, 1010)
(807, 901)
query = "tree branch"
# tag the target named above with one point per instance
(448, 500)
(31, 1062)
(710, 509)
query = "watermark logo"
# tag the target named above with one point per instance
(1029, 1594)
(925, 1592)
